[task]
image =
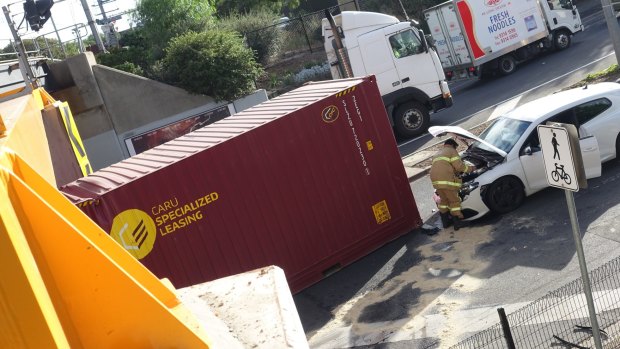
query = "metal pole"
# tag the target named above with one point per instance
(92, 25)
(105, 18)
(62, 47)
(572, 211)
(612, 26)
(503, 319)
(29, 78)
(303, 26)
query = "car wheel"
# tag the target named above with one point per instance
(505, 195)
(507, 65)
(618, 147)
(561, 40)
(411, 119)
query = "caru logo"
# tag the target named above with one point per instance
(330, 114)
(491, 3)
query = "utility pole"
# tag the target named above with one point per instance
(612, 26)
(105, 17)
(92, 25)
(24, 66)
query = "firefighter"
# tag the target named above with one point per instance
(447, 165)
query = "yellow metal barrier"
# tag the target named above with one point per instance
(63, 281)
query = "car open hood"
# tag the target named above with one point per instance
(438, 131)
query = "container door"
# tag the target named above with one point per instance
(415, 67)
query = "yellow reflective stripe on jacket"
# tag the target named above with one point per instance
(445, 158)
(454, 184)
(455, 209)
(443, 206)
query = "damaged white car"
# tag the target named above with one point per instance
(508, 156)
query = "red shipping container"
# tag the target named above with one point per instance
(309, 181)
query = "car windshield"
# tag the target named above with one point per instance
(503, 133)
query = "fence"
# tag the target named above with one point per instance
(560, 319)
(304, 33)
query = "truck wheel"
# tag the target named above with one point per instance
(411, 119)
(561, 40)
(506, 65)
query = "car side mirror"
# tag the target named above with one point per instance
(527, 151)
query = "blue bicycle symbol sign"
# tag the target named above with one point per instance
(559, 173)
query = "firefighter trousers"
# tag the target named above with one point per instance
(450, 202)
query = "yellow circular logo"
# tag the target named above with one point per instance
(135, 231)
(330, 114)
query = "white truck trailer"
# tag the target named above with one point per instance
(408, 72)
(476, 37)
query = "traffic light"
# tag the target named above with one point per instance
(37, 12)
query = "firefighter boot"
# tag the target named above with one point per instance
(446, 219)
(459, 223)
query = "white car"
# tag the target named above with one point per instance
(508, 154)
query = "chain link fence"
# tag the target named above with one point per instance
(560, 319)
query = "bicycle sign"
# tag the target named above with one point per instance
(558, 157)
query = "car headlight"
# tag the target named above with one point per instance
(467, 188)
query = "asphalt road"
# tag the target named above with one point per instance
(474, 101)
(426, 289)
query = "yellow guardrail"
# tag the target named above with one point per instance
(64, 283)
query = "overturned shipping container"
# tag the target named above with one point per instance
(309, 181)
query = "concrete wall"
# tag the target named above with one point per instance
(110, 105)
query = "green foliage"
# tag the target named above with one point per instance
(215, 63)
(163, 20)
(227, 7)
(130, 68)
(266, 42)
(135, 50)
(613, 69)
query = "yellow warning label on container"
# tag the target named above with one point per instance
(382, 212)
(135, 231)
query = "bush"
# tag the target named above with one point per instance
(214, 63)
(261, 35)
(130, 68)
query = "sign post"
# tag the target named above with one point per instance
(564, 169)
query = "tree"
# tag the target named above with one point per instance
(260, 34)
(215, 63)
(227, 7)
(163, 20)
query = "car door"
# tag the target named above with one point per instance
(596, 119)
(531, 158)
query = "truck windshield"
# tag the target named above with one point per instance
(504, 133)
(560, 4)
(405, 44)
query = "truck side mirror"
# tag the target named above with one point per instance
(423, 40)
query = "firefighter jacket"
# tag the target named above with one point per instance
(447, 164)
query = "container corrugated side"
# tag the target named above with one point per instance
(309, 181)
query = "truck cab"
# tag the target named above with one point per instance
(409, 73)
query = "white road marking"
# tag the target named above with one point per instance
(505, 107)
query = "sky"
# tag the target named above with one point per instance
(65, 14)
